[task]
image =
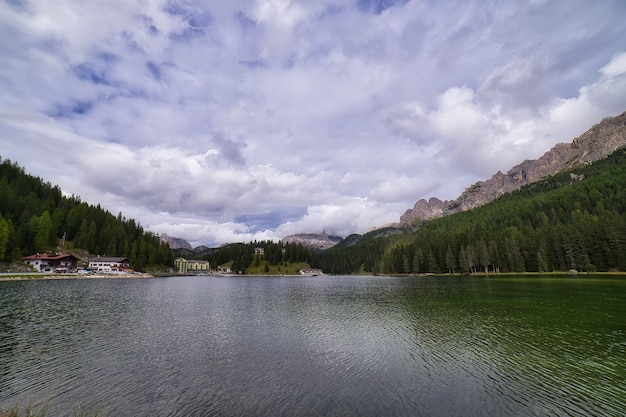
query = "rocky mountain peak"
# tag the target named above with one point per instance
(596, 143)
(175, 242)
(313, 240)
(425, 210)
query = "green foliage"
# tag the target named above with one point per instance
(243, 259)
(556, 224)
(366, 256)
(4, 236)
(35, 217)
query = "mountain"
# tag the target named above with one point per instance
(573, 221)
(176, 242)
(201, 249)
(313, 241)
(597, 143)
(199, 252)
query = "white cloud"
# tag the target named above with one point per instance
(594, 101)
(615, 68)
(457, 114)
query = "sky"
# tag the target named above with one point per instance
(241, 120)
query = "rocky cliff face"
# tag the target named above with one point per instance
(425, 210)
(313, 241)
(598, 142)
(176, 242)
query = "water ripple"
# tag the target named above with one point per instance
(314, 347)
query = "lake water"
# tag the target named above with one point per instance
(316, 346)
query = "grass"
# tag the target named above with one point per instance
(30, 410)
(284, 268)
(25, 410)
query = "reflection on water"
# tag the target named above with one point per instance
(316, 346)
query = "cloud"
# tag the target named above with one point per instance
(475, 134)
(594, 101)
(231, 121)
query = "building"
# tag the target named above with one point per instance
(52, 262)
(313, 272)
(224, 270)
(181, 264)
(184, 266)
(109, 264)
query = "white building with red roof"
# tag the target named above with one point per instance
(51, 262)
(109, 264)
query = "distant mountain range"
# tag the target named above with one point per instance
(597, 143)
(313, 241)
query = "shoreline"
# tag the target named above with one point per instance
(41, 276)
(36, 276)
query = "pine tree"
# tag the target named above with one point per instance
(4, 237)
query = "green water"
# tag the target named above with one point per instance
(317, 346)
(560, 340)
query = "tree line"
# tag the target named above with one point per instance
(36, 217)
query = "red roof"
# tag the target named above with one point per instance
(117, 259)
(48, 256)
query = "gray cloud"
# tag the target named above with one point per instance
(243, 120)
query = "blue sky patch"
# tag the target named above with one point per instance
(97, 70)
(79, 107)
(154, 70)
(197, 20)
(87, 72)
(378, 6)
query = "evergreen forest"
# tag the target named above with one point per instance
(35, 217)
(574, 220)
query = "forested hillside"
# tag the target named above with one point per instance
(258, 257)
(36, 217)
(573, 220)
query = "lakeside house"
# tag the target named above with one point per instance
(51, 262)
(224, 270)
(184, 266)
(109, 264)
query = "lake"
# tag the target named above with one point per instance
(316, 346)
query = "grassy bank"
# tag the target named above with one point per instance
(30, 410)
(284, 268)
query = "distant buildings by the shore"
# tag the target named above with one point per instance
(58, 263)
(183, 266)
